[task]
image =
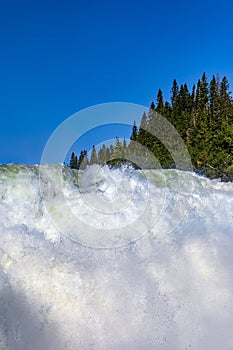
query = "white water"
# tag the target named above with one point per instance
(164, 279)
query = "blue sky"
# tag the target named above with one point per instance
(58, 57)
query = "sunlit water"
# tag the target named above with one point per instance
(114, 259)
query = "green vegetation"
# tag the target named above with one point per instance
(202, 117)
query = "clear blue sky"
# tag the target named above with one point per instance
(58, 57)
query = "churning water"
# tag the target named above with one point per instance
(114, 259)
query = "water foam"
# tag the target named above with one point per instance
(169, 286)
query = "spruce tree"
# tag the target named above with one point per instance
(167, 111)
(213, 98)
(83, 160)
(202, 93)
(152, 106)
(73, 161)
(204, 119)
(93, 159)
(107, 154)
(193, 95)
(225, 98)
(174, 92)
(159, 100)
(102, 155)
(134, 134)
(142, 134)
(118, 149)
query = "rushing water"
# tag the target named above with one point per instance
(114, 259)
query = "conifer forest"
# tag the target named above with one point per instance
(203, 117)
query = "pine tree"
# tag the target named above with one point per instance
(174, 91)
(124, 150)
(107, 154)
(204, 119)
(83, 160)
(160, 105)
(142, 134)
(193, 95)
(116, 153)
(111, 151)
(80, 159)
(134, 134)
(76, 162)
(102, 155)
(152, 106)
(167, 111)
(118, 149)
(73, 161)
(198, 91)
(213, 98)
(225, 98)
(93, 159)
(202, 93)
(149, 123)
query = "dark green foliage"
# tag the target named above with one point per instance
(80, 163)
(142, 134)
(213, 99)
(117, 162)
(160, 105)
(73, 161)
(134, 135)
(202, 102)
(204, 120)
(174, 91)
(152, 106)
(225, 99)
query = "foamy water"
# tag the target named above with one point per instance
(114, 259)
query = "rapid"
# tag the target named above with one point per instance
(116, 259)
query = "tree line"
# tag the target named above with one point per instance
(112, 155)
(203, 117)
